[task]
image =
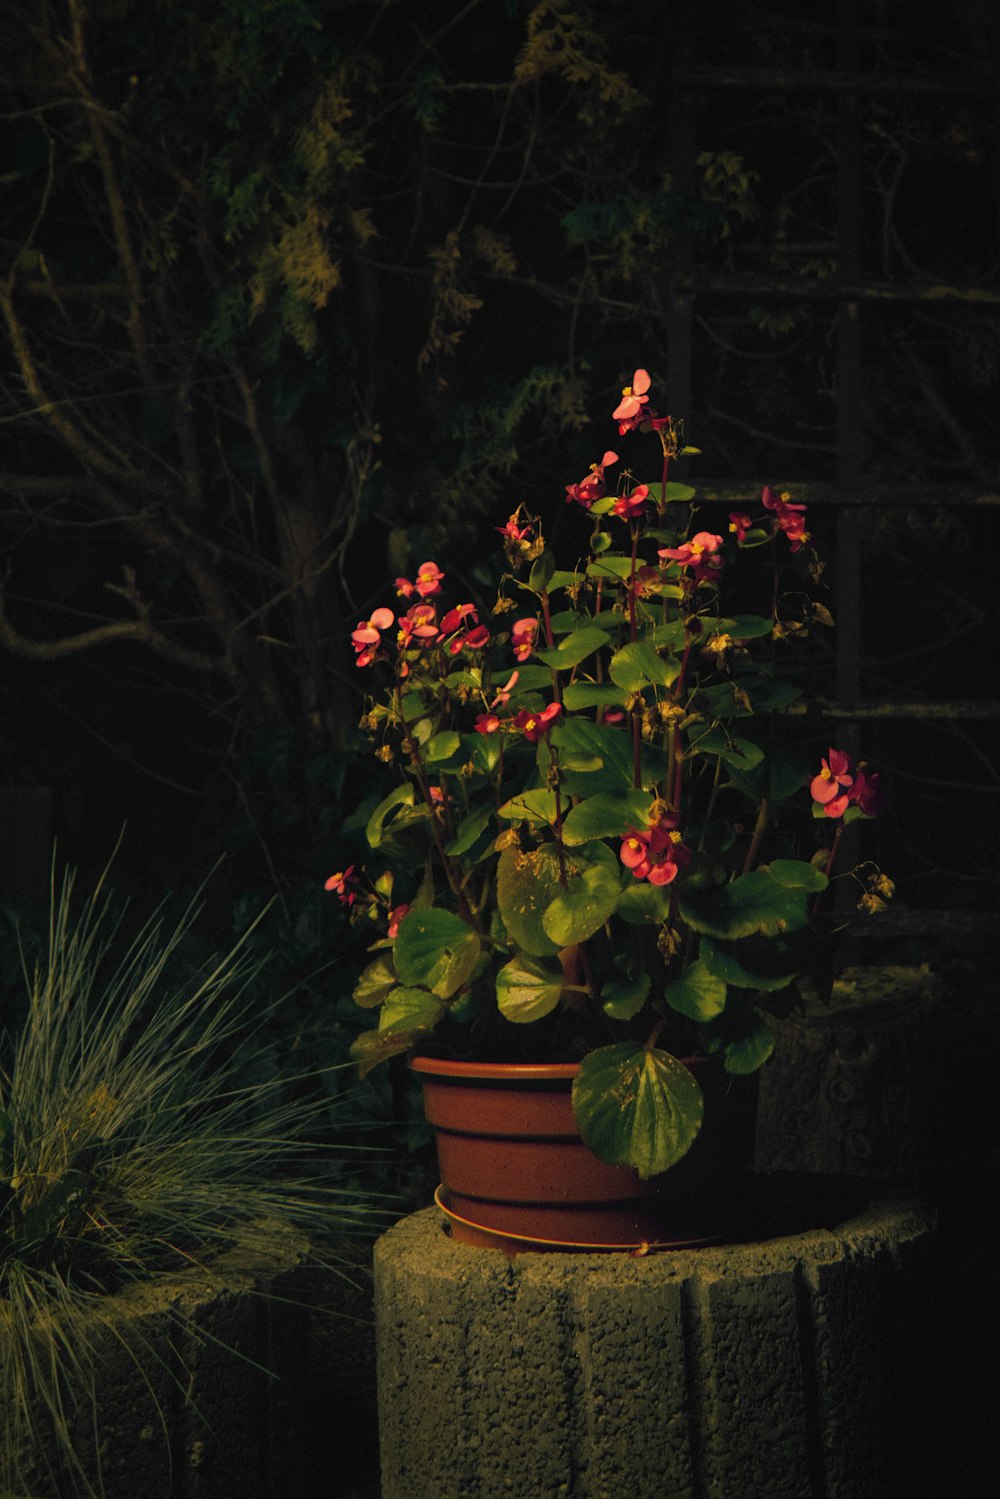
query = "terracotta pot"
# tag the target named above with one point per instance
(516, 1175)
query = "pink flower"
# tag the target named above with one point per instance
(656, 854)
(418, 626)
(535, 726)
(368, 636)
(739, 524)
(486, 723)
(867, 791)
(629, 413)
(454, 617)
(787, 517)
(427, 582)
(592, 487)
(503, 696)
(700, 554)
(395, 917)
(831, 787)
(631, 506)
(343, 884)
(514, 532)
(473, 640)
(523, 637)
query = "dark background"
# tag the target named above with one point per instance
(297, 294)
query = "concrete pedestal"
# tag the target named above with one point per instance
(784, 1368)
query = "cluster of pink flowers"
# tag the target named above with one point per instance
(841, 783)
(786, 516)
(419, 627)
(656, 853)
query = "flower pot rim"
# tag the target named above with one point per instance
(444, 1067)
(495, 1071)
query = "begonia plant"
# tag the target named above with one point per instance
(595, 812)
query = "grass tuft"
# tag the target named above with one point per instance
(142, 1131)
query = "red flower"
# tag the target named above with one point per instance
(700, 554)
(629, 413)
(787, 517)
(368, 636)
(739, 523)
(631, 506)
(523, 637)
(592, 487)
(503, 696)
(418, 626)
(513, 532)
(656, 854)
(831, 787)
(535, 726)
(427, 582)
(395, 917)
(486, 723)
(867, 791)
(344, 885)
(473, 640)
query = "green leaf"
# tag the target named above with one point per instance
(637, 1107)
(795, 874)
(527, 990)
(372, 1047)
(746, 1053)
(468, 831)
(746, 626)
(753, 903)
(623, 998)
(642, 904)
(606, 815)
(534, 806)
(375, 982)
(577, 646)
(763, 968)
(541, 573)
(578, 695)
(527, 883)
(700, 994)
(638, 665)
(410, 1010)
(588, 901)
(671, 492)
(436, 950)
(777, 777)
(741, 753)
(375, 831)
(612, 565)
(441, 747)
(607, 747)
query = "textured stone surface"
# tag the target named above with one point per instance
(769, 1370)
(254, 1381)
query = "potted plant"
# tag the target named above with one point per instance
(596, 818)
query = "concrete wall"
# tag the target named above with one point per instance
(780, 1369)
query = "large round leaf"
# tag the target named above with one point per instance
(527, 990)
(606, 815)
(637, 1107)
(699, 994)
(527, 883)
(435, 950)
(589, 899)
(754, 902)
(410, 1010)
